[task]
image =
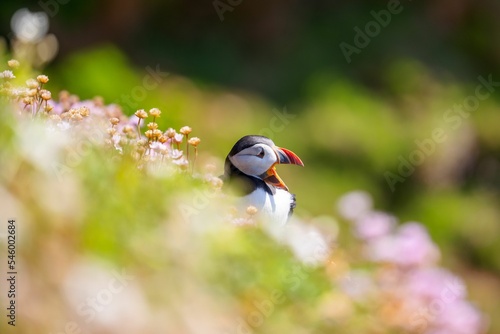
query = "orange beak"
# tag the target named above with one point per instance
(284, 157)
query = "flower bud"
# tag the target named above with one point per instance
(195, 141)
(43, 79)
(32, 83)
(155, 112)
(141, 113)
(45, 95)
(152, 126)
(185, 130)
(13, 63)
(170, 133)
(114, 120)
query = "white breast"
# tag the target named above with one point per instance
(274, 208)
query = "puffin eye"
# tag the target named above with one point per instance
(261, 153)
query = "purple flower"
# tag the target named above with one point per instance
(373, 225)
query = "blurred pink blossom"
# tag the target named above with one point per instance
(409, 246)
(374, 224)
(176, 154)
(459, 318)
(355, 204)
(435, 283)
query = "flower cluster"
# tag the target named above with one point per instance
(32, 95)
(414, 293)
(151, 147)
(158, 145)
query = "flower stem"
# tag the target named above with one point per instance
(187, 147)
(194, 160)
(139, 128)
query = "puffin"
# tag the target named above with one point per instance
(251, 166)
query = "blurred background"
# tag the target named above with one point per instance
(360, 102)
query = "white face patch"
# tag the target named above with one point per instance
(254, 160)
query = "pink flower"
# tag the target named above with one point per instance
(435, 284)
(158, 147)
(175, 154)
(409, 246)
(459, 318)
(373, 225)
(178, 138)
(355, 205)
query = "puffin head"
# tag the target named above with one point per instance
(257, 156)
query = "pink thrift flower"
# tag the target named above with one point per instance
(178, 137)
(158, 147)
(459, 318)
(409, 246)
(176, 154)
(373, 225)
(436, 284)
(355, 205)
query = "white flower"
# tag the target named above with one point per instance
(7, 75)
(116, 142)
